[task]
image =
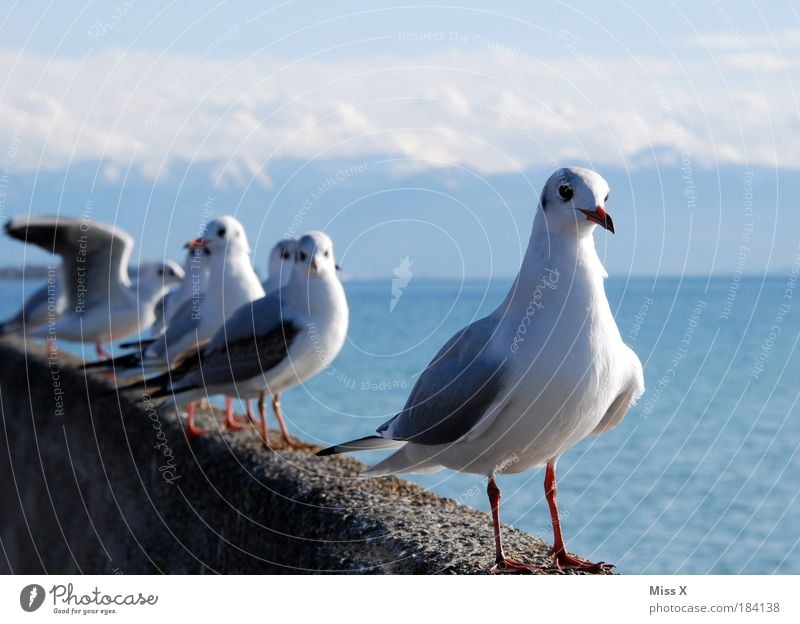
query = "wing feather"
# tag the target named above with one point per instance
(95, 256)
(456, 390)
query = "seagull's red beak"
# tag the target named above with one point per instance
(197, 243)
(600, 217)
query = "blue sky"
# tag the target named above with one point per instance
(291, 29)
(131, 102)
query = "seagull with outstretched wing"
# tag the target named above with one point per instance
(101, 304)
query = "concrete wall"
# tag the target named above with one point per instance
(92, 483)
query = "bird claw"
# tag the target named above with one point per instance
(234, 425)
(566, 561)
(196, 432)
(509, 566)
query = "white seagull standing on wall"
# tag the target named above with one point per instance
(273, 343)
(546, 369)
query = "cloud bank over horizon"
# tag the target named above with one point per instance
(476, 104)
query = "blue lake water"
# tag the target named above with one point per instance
(703, 475)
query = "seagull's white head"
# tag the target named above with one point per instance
(573, 201)
(196, 259)
(223, 234)
(166, 273)
(315, 255)
(281, 261)
(153, 277)
(172, 272)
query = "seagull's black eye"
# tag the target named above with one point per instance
(161, 271)
(606, 199)
(285, 254)
(221, 232)
(303, 256)
(327, 253)
(206, 251)
(565, 191)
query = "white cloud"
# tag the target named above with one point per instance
(735, 39)
(488, 111)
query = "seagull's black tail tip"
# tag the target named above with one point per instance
(370, 443)
(331, 450)
(129, 360)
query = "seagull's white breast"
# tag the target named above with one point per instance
(563, 372)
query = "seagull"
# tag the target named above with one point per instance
(46, 303)
(49, 300)
(516, 389)
(195, 267)
(180, 333)
(280, 264)
(102, 303)
(271, 344)
(279, 272)
(232, 282)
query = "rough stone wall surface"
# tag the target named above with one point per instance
(92, 482)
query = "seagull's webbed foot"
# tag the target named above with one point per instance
(509, 566)
(192, 430)
(230, 417)
(234, 425)
(566, 561)
(196, 432)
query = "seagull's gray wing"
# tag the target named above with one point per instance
(95, 255)
(183, 324)
(32, 314)
(255, 339)
(454, 392)
(159, 324)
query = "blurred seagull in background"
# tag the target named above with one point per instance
(49, 300)
(195, 268)
(519, 387)
(231, 283)
(45, 304)
(101, 302)
(280, 264)
(180, 333)
(280, 268)
(271, 344)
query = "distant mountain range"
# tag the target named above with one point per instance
(31, 271)
(445, 221)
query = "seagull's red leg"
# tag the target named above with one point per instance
(262, 411)
(52, 348)
(193, 430)
(230, 417)
(563, 559)
(102, 354)
(249, 412)
(276, 407)
(502, 565)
